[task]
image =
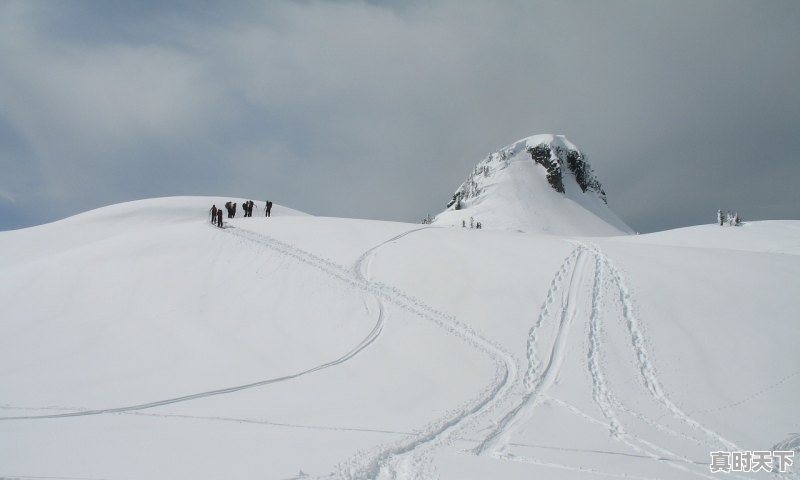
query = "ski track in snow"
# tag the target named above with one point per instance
(646, 368)
(536, 383)
(411, 458)
(363, 263)
(750, 397)
(561, 466)
(601, 393)
(499, 436)
(642, 454)
(406, 459)
(603, 452)
(211, 418)
(641, 446)
(324, 265)
(159, 403)
(606, 400)
(555, 284)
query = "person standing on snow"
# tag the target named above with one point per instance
(213, 213)
(269, 208)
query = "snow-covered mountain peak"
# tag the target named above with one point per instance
(542, 183)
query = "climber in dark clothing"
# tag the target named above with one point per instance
(269, 208)
(219, 218)
(213, 214)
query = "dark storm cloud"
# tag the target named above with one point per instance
(380, 109)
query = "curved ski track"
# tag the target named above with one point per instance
(410, 458)
(305, 257)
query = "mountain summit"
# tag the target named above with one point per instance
(540, 184)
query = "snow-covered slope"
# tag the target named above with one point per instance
(540, 184)
(138, 341)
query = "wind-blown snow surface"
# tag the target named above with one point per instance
(138, 341)
(509, 191)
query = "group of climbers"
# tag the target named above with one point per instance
(248, 207)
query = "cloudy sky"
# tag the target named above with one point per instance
(380, 109)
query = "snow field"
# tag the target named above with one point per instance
(162, 347)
